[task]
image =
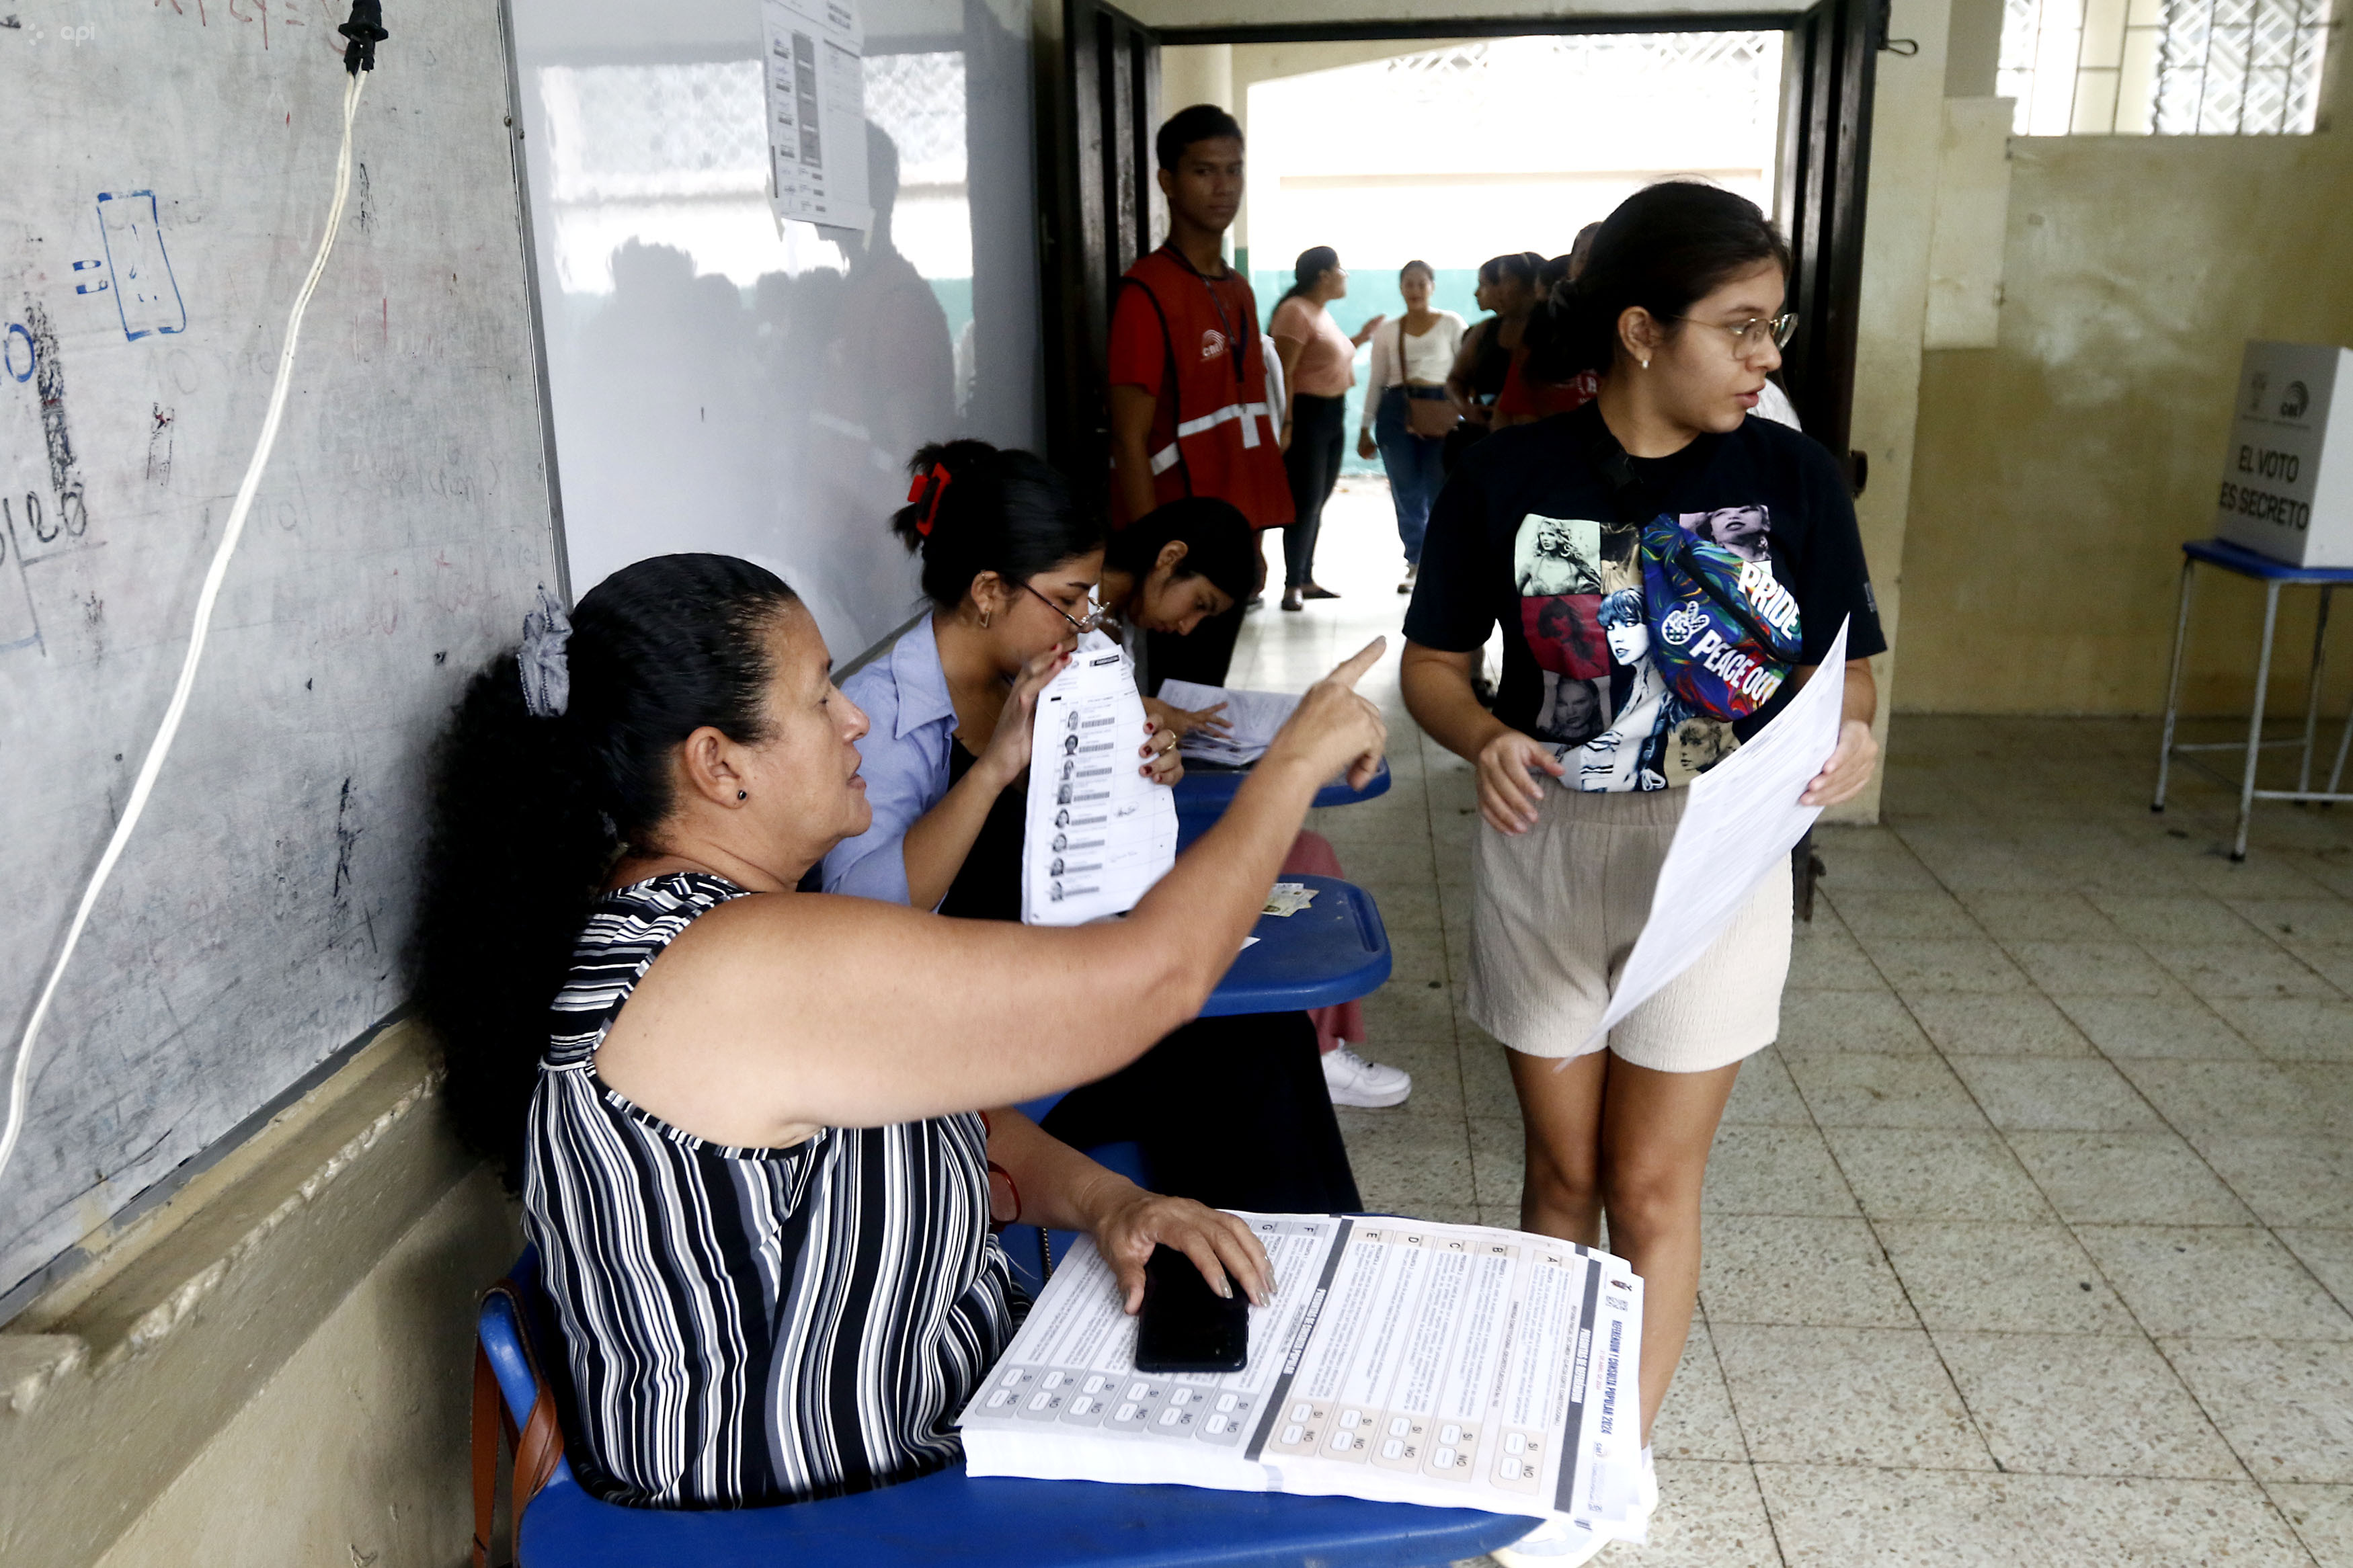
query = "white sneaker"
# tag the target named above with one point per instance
(1352, 1080)
(1555, 1543)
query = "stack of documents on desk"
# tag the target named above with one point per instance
(1254, 716)
(1288, 899)
(1453, 1366)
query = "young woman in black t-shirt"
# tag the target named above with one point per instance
(1580, 762)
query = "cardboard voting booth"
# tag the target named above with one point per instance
(2287, 482)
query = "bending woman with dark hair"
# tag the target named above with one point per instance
(744, 1118)
(1233, 1111)
(1679, 312)
(1183, 563)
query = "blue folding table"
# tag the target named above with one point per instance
(2274, 575)
(1334, 951)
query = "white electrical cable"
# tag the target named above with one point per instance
(20, 1077)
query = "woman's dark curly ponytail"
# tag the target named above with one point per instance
(530, 812)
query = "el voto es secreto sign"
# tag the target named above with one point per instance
(2287, 484)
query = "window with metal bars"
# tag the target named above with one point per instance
(2166, 68)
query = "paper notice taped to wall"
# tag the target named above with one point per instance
(817, 112)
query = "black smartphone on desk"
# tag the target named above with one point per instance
(1185, 1326)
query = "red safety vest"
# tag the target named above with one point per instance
(1212, 431)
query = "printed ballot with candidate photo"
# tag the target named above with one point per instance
(1098, 833)
(1458, 1366)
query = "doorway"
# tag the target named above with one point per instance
(1426, 153)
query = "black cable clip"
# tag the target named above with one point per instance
(365, 31)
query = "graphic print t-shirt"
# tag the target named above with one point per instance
(1532, 533)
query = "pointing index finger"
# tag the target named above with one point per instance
(1365, 657)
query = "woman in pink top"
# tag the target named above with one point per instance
(1319, 366)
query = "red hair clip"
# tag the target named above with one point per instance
(937, 477)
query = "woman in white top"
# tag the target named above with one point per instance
(1406, 411)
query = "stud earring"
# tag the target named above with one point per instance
(1646, 364)
(742, 794)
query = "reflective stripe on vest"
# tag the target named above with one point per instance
(1250, 414)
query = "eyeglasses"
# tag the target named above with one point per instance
(1095, 613)
(1750, 338)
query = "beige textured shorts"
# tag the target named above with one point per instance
(1556, 914)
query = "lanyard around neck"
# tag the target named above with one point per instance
(1224, 322)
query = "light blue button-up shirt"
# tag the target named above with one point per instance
(903, 760)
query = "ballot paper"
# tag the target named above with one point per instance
(1454, 1365)
(1254, 716)
(1741, 818)
(1098, 833)
(817, 112)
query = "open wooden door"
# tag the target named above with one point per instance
(1107, 211)
(1826, 166)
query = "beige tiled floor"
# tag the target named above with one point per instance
(2031, 1242)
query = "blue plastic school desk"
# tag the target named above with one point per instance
(951, 1516)
(1205, 792)
(2274, 575)
(1334, 951)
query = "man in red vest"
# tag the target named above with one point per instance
(1189, 411)
(1190, 417)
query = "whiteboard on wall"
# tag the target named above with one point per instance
(170, 167)
(723, 382)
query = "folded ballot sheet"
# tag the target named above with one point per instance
(1098, 834)
(1254, 716)
(1453, 1365)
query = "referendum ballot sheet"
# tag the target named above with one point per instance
(1254, 717)
(1099, 832)
(1447, 1365)
(1743, 815)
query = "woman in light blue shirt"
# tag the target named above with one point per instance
(1231, 1111)
(1010, 565)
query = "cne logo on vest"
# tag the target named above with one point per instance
(1213, 343)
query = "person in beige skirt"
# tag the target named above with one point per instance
(1604, 716)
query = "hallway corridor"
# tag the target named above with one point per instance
(2031, 1241)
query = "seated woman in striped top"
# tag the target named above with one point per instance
(743, 1118)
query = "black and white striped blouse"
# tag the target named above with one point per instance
(749, 1326)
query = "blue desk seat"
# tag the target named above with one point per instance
(1334, 951)
(951, 1516)
(2274, 575)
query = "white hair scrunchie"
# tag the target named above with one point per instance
(546, 668)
